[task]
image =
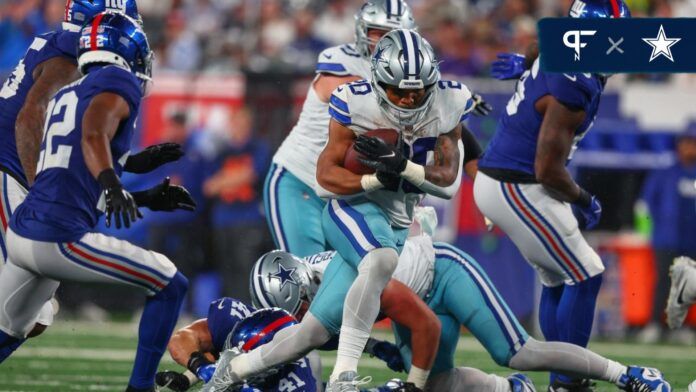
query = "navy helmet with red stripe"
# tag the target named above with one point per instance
(115, 38)
(259, 328)
(599, 9)
(79, 12)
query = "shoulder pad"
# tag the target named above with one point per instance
(575, 90)
(456, 100)
(338, 105)
(115, 80)
(340, 60)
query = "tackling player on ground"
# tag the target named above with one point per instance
(88, 133)
(523, 187)
(368, 227)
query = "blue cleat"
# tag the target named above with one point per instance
(521, 383)
(644, 379)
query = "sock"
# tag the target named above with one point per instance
(614, 371)
(575, 313)
(351, 345)
(8, 344)
(156, 325)
(418, 376)
(548, 308)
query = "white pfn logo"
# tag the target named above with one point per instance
(118, 5)
(577, 9)
(576, 43)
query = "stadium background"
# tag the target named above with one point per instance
(230, 79)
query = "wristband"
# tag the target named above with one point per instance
(192, 378)
(370, 182)
(196, 360)
(108, 179)
(584, 199)
(414, 173)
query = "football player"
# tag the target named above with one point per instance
(290, 183)
(49, 64)
(524, 188)
(89, 129)
(369, 224)
(199, 344)
(457, 289)
(196, 346)
(682, 292)
(293, 209)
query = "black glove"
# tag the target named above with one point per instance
(173, 380)
(481, 107)
(165, 197)
(119, 202)
(387, 352)
(153, 157)
(390, 181)
(379, 155)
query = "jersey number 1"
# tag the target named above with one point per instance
(48, 159)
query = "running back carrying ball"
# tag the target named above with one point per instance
(351, 160)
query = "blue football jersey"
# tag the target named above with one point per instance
(513, 147)
(223, 315)
(15, 89)
(66, 201)
(295, 377)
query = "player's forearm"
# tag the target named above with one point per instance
(28, 134)
(559, 184)
(338, 180)
(97, 152)
(182, 344)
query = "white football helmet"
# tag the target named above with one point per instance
(384, 15)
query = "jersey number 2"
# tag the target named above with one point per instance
(48, 159)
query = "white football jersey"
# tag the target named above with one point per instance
(300, 151)
(355, 105)
(416, 268)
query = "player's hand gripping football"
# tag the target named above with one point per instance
(481, 107)
(508, 66)
(380, 155)
(587, 210)
(153, 157)
(165, 197)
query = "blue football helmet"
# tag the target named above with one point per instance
(599, 9)
(114, 38)
(79, 12)
(258, 328)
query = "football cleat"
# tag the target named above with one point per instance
(521, 383)
(347, 382)
(677, 307)
(577, 386)
(692, 386)
(224, 377)
(643, 379)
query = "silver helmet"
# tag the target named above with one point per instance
(382, 15)
(405, 60)
(280, 279)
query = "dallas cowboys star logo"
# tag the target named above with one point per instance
(285, 276)
(661, 45)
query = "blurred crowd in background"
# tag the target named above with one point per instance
(272, 45)
(287, 35)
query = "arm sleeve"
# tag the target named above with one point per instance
(472, 148)
(449, 191)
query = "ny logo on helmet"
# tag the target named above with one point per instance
(116, 5)
(576, 43)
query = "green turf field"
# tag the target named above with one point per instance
(98, 357)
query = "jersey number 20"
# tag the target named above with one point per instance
(48, 159)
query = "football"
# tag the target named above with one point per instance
(351, 162)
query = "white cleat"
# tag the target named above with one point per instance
(347, 382)
(676, 306)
